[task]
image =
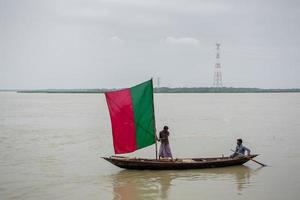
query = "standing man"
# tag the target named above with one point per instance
(164, 150)
(240, 149)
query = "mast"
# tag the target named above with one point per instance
(155, 136)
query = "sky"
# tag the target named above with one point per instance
(120, 43)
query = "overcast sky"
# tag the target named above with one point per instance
(118, 43)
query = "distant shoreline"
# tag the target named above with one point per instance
(167, 90)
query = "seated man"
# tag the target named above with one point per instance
(240, 149)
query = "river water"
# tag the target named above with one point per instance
(51, 147)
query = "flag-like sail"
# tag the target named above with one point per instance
(132, 117)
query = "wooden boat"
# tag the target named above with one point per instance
(133, 127)
(176, 164)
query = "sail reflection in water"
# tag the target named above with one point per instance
(134, 185)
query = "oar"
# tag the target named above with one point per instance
(250, 158)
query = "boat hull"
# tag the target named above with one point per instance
(176, 164)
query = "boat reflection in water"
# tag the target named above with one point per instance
(134, 185)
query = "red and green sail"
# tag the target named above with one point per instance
(132, 117)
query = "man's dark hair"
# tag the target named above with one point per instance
(166, 127)
(240, 140)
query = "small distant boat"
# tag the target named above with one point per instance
(133, 128)
(176, 164)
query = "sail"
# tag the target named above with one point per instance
(132, 117)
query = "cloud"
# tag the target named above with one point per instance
(116, 40)
(182, 41)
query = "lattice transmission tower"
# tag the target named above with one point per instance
(218, 72)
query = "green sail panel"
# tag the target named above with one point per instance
(143, 108)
